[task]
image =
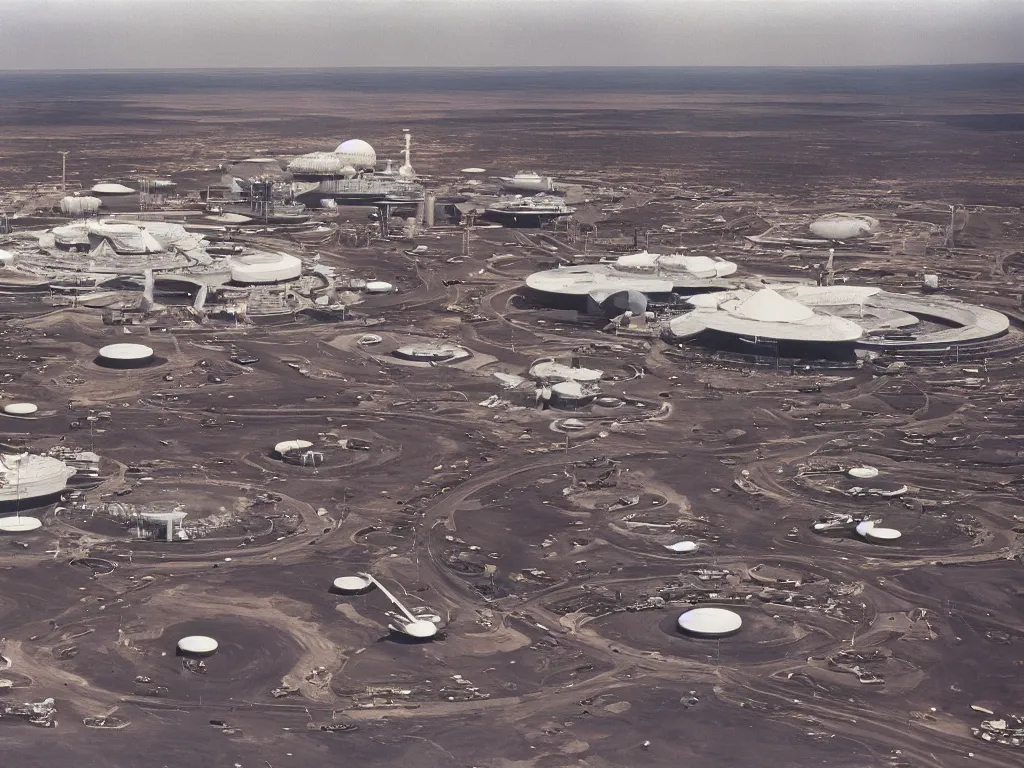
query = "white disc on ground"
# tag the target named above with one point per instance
(351, 583)
(19, 524)
(710, 622)
(682, 546)
(126, 352)
(379, 286)
(369, 339)
(197, 644)
(474, 170)
(20, 409)
(862, 473)
(420, 628)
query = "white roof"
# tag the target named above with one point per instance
(112, 189)
(20, 409)
(351, 583)
(767, 306)
(862, 473)
(763, 313)
(864, 527)
(569, 389)
(126, 352)
(421, 628)
(264, 267)
(828, 295)
(549, 370)
(697, 266)
(19, 524)
(841, 226)
(710, 621)
(379, 286)
(291, 445)
(357, 153)
(682, 546)
(583, 280)
(198, 644)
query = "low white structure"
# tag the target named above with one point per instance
(710, 622)
(351, 584)
(125, 355)
(551, 372)
(197, 645)
(699, 267)
(265, 267)
(379, 287)
(20, 409)
(112, 189)
(843, 226)
(763, 314)
(862, 473)
(291, 445)
(20, 524)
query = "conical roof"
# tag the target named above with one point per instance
(767, 306)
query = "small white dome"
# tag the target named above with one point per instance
(710, 622)
(420, 629)
(379, 286)
(357, 153)
(842, 226)
(198, 645)
(20, 409)
(351, 583)
(291, 445)
(126, 352)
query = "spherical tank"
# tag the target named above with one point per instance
(357, 153)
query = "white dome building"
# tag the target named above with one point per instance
(357, 153)
(264, 267)
(843, 226)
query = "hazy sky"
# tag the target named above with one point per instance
(115, 34)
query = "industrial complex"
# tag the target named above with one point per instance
(329, 454)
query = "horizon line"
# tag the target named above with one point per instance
(514, 67)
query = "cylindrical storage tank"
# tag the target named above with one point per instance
(112, 189)
(570, 396)
(263, 267)
(379, 286)
(125, 356)
(80, 206)
(197, 646)
(328, 202)
(710, 622)
(6, 258)
(20, 409)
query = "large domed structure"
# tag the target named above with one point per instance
(843, 226)
(357, 153)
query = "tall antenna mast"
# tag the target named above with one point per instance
(64, 170)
